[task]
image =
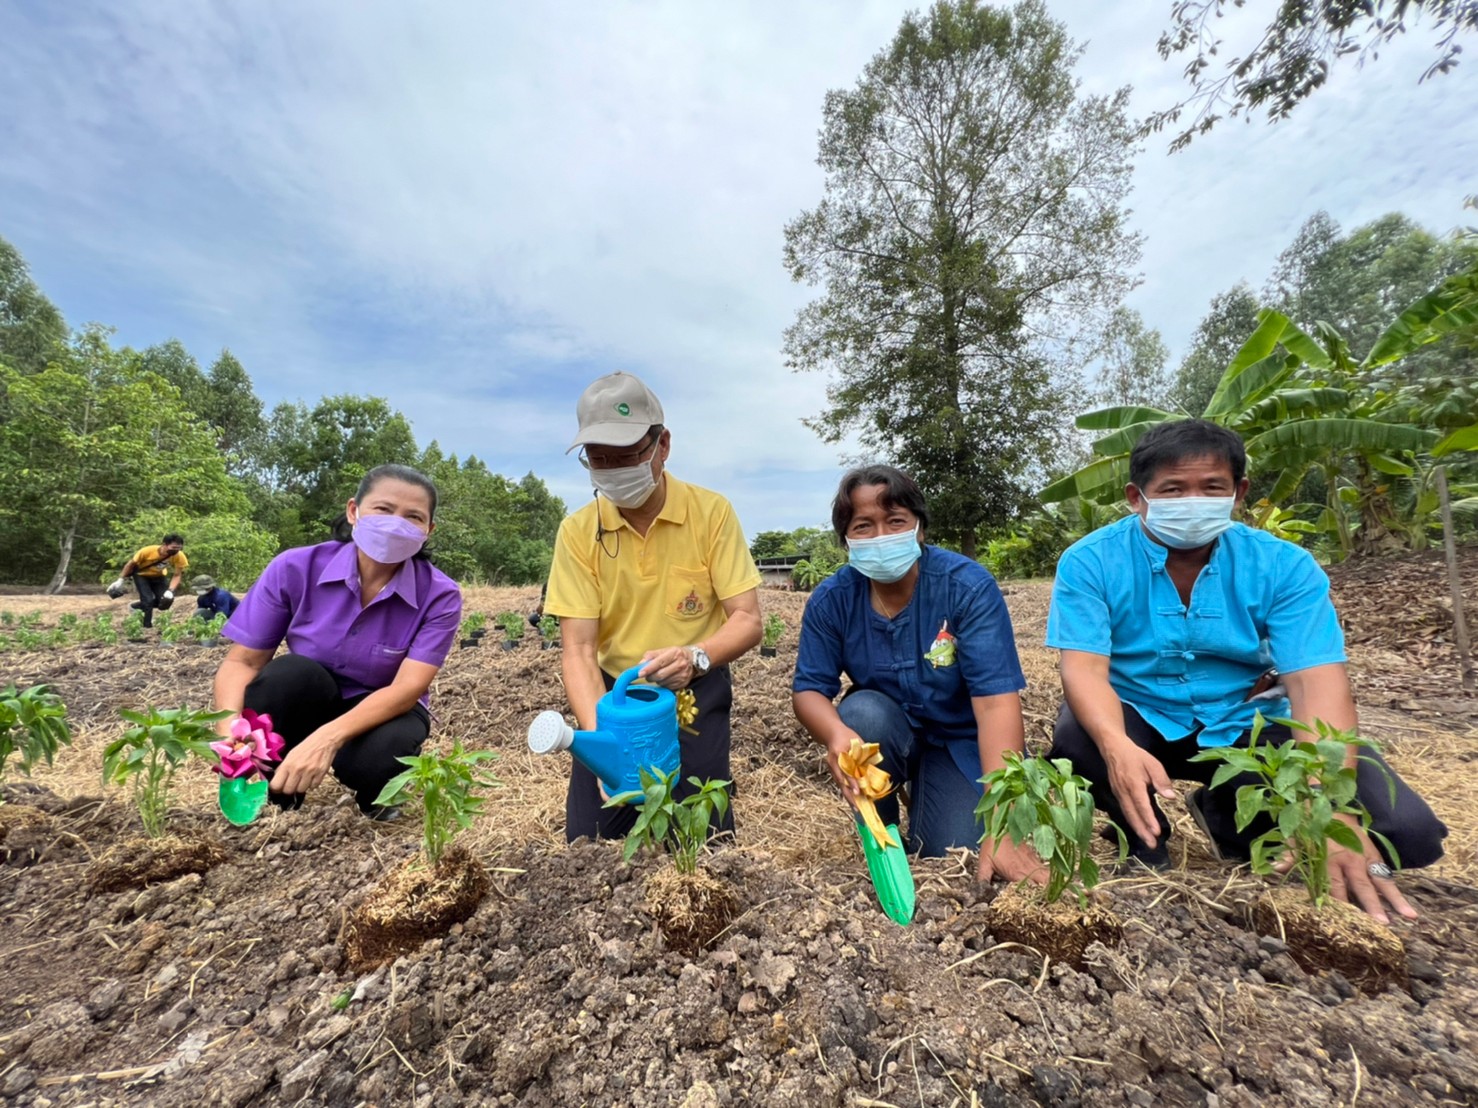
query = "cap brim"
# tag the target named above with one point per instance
(610, 434)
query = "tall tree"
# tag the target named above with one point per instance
(972, 224)
(92, 439)
(1132, 361)
(178, 366)
(1230, 319)
(32, 331)
(232, 407)
(1293, 56)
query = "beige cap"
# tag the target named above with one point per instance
(617, 410)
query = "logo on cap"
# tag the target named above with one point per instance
(623, 408)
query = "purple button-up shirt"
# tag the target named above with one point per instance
(310, 596)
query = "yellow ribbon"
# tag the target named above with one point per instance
(862, 762)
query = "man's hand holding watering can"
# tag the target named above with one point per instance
(671, 667)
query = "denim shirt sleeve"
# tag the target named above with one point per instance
(986, 645)
(1078, 618)
(818, 665)
(1302, 627)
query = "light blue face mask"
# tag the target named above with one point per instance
(1187, 522)
(886, 558)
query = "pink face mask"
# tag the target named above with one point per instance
(388, 539)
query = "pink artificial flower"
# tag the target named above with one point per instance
(252, 746)
(235, 760)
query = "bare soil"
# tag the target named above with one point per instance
(232, 985)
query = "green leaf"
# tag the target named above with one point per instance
(1464, 438)
(1112, 419)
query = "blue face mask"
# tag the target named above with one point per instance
(886, 558)
(1187, 522)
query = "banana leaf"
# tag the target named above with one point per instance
(1122, 441)
(1111, 419)
(1451, 306)
(1236, 392)
(1306, 437)
(1100, 481)
(1464, 438)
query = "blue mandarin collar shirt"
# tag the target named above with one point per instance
(1260, 602)
(841, 633)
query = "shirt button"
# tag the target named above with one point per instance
(1188, 656)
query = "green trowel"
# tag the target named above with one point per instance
(892, 880)
(241, 800)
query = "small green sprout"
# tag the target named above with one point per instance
(33, 723)
(447, 786)
(774, 628)
(1044, 804)
(149, 753)
(512, 624)
(1301, 786)
(664, 820)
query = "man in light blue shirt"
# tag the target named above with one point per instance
(1176, 627)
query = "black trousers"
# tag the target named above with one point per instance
(151, 592)
(1410, 824)
(301, 696)
(704, 756)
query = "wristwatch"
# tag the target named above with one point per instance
(701, 663)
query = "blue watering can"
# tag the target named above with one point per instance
(636, 729)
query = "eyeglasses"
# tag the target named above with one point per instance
(620, 461)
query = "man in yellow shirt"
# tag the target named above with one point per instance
(655, 572)
(149, 568)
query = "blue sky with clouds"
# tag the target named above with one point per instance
(474, 208)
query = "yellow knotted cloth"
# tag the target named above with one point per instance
(862, 763)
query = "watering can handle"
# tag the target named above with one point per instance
(618, 693)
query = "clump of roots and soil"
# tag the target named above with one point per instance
(143, 861)
(1336, 937)
(691, 909)
(414, 903)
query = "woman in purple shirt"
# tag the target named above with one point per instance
(369, 621)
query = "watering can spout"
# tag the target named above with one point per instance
(636, 729)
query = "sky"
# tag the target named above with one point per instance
(475, 208)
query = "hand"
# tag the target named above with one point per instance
(1350, 880)
(169, 594)
(305, 766)
(1133, 773)
(670, 667)
(118, 588)
(840, 744)
(1009, 862)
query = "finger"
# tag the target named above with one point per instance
(1159, 779)
(1141, 815)
(1388, 889)
(1358, 883)
(985, 871)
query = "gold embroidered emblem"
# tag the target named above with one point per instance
(690, 605)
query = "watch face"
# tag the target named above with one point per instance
(700, 659)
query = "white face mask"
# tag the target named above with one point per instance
(627, 487)
(1188, 522)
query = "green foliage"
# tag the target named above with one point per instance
(1131, 362)
(810, 572)
(972, 209)
(447, 786)
(170, 629)
(148, 754)
(488, 527)
(512, 624)
(27, 639)
(7, 619)
(818, 543)
(32, 331)
(1045, 805)
(1302, 786)
(549, 628)
(680, 825)
(133, 626)
(1283, 62)
(473, 621)
(91, 439)
(1032, 545)
(100, 630)
(230, 547)
(33, 723)
(774, 627)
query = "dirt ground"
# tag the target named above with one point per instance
(230, 987)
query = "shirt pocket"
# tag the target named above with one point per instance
(382, 664)
(690, 595)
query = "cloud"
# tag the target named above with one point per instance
(474, 209)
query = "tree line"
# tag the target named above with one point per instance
(104, 449)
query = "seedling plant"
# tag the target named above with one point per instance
(133, 627)
(549, 628)
(773, 629)
(1302, 786)
(681, 825)
(147, 755)
(448, 787)
(33, 723)
(512, 624)
(1044, 804)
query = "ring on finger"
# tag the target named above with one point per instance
(1380, 870)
